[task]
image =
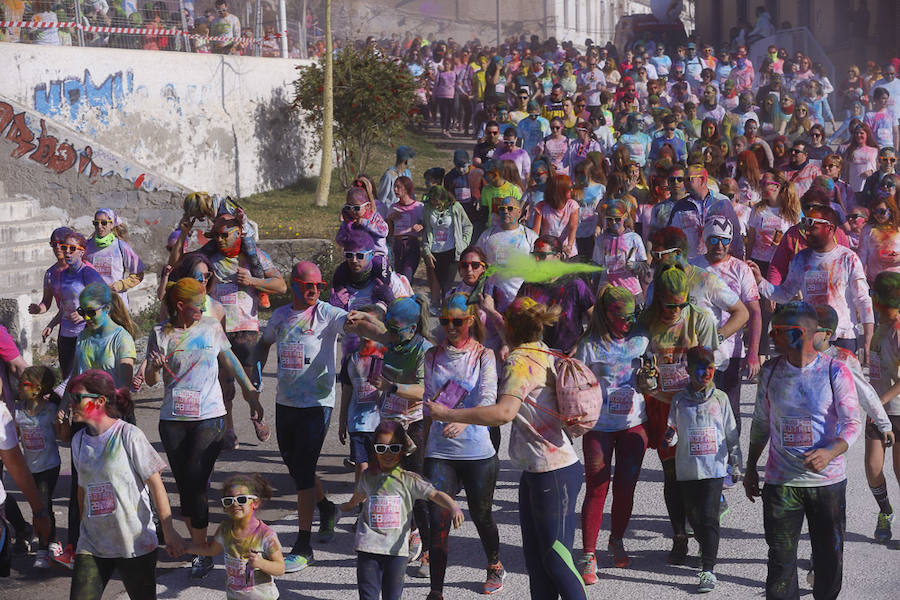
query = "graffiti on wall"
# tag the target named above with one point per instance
(42, 148)
(78, 94)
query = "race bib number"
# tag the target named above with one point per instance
(103, 265)
(291, 356)
(33, 438)
(620, 401)
(368, 395)
(875, 370)
(463, 194)
(395, 405)
(673, 376)
(185, 403)
(796, 432)
(385, 512)
(702, 441)
(227, 293)
(441, 236)
(101, 499)
(239, 573)
(500, 88)
(816, 283)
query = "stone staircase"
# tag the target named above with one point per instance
(25, 230)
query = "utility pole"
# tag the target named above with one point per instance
(498, 25)
(327, 114)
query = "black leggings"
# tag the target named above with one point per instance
(74, 523)
(673, 497)
(701, 497)
(192, 448)
(478, 478)
(65, 347)
(91, 574)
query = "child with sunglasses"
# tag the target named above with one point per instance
(252, 552)
(622, 252)
(709, 444)
(387, 493)
(359, 214)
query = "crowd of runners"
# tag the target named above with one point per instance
(678, 220)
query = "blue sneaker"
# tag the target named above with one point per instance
(296, 562)
(723, 507)
(729, 482)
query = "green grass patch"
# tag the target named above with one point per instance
(290, 213)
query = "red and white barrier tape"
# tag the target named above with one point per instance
(135, 31)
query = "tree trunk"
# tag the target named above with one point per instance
(327, 115)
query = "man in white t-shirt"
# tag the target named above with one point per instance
(226, 25)
(718, 233)
(505, 238)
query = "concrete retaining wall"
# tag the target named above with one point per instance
(205, 122)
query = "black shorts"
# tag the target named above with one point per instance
(243, 344)
(872, 432)
(301, 433)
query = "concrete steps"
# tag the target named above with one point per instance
(23, 278)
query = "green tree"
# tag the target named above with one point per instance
(373, 98)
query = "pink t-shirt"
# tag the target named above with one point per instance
(405, 217)
(556, 223)
(8, 353)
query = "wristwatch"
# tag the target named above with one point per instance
(721, 338)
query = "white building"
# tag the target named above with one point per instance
(574, 20)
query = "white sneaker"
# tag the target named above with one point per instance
(55, 549)
(42, 560)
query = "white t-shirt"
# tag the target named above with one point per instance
(307, 346)
(769, 226)
(8, 439)
(113, 467)
(193, 393)
(39, 438)
(241, 302)
(616, 252)
(442, 231)
(499, 245)
(707, 434)
(835, 278)
(739, 279)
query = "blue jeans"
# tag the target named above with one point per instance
(380, 575)
(547, 518)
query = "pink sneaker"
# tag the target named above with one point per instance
(66, 558)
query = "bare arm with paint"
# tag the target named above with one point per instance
(174, 543)
(271, 283)
(494, 415)
(230, 362)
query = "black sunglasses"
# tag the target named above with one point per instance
(674, 306)
(88, 313)
(676, 179)
(457, 322)
(543, 254)
(357, 255)
(503, 209)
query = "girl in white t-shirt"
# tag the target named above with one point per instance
(772, 217)
(118, 472)
(252, 553)
(387, 493)
(38, 429)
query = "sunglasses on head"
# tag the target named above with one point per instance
(69, 247)
(88, 313)
(385, 448)
(457, 322)
(475, 264)
(357, 255)
(659, 254)
(241, 500)
(319, 285)
(99, 223)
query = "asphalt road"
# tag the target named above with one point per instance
(870, 570)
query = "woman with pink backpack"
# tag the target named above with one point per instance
(539, 445)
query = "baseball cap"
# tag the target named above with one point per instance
(405, 153)
(460, 157)
(718, 226)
